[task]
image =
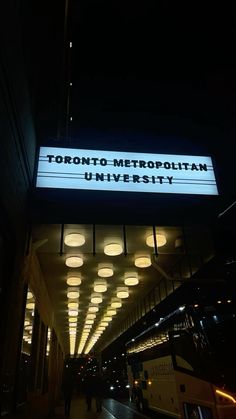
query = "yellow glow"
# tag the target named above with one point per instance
(73, 305)
(30, 306)
(91, 316)
(122, 292)
(107, 319)
(226, 395)
(111, 312)
(96, 298)
(100, 285)
(29, 295)
(73, 294)
(73, 280)
(72, 319)
(143, 262)
(131, 281)
(160, 238)
(73, 313)
(74, 261)
(74, 239)
(116, 303)
(93, 309)
(113, 249)
(105, 272)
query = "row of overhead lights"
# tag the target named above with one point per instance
(111, 249)
(100, 286)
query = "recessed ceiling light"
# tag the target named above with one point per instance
(96, 298)
(74, 240)
(111, 312)
(73, 305)
(103, 324)
(100, 285)
(160, 238)
(122, 292)
(73, 280)
(91, 316)
(93, 309)
(30, 306)
(116, 303)
(131, 280)
(143, 261)
(107, 318)
(74, 261)
(113, 249)
(72, 319)
(73, 313)
(73, 294)
(105, 271)
(29, 295)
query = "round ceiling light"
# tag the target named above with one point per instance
(122, 292)
(113, 249)
(29, 295)
(73, 324)
(107, 318)
(111, 312)
(131, 280)
(73, 305)
(89, 322)
(73, 294)
(30, 306)
(93, 309)
(96, 298)
(73, 280)
(160, 238)
(74, 261)
(103, 324)
(116, 303)
(72, 319)
(91, 316)
(74, 239)
(100, 285)
(143, 261)
(105, 271)
(72, 313)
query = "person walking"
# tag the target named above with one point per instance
(89, 390)
(67, 389)
(98, 391)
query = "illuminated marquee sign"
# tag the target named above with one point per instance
(69, 168)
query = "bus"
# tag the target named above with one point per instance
(183, 362)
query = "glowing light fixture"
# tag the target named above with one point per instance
(143, 262)
(107, 319)
(100, 285)
(74, 239)
(103, 324)
(96, 298)
(73, 280)
(113, 249)
(73, 312)
(30, 306)
(91, 316)
(73, 305)
(111, 312)
(74, 261)
(105, 271)
(73, 294)
(116, 303)
(122, 292)
(160, 238)
(93, 309)
(72, 319)
(29, 295)
(131, 280)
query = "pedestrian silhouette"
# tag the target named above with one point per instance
(89, 390)
(98, 391)
(67, 389)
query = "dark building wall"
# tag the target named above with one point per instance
(17, 152)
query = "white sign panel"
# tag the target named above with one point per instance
(69, 168)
